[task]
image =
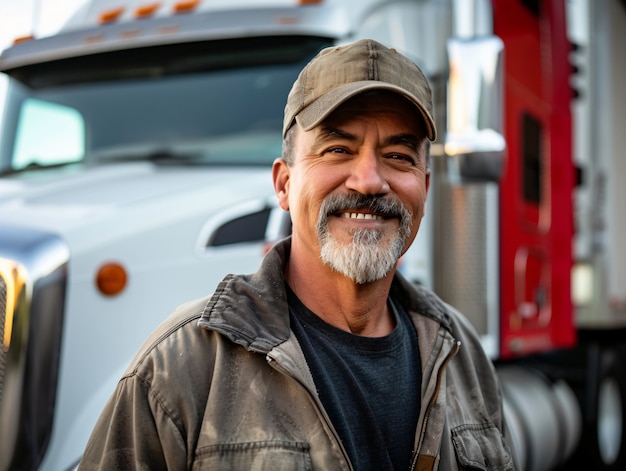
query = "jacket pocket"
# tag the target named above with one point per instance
(255, 456)
(481, 447)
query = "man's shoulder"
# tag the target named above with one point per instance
(173, 338)
(172, 371)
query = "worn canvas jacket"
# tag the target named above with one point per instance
(223, 385)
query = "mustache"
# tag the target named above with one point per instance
(382, 205)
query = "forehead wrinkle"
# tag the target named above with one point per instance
(328, 133)
(409, 140)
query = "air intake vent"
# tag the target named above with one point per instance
(246, 228)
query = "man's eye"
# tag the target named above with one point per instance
(336, 150)
(402, 157)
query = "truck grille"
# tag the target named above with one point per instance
(33, 277)
(3, 316)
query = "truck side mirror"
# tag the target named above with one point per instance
(474, 143)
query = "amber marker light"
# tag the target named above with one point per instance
(111, 15)
(111, 278)
(144, 11)
(185, 6)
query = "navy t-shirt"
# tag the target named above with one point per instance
(369, 386)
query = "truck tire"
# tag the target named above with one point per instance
(543, 416)
(604, 437)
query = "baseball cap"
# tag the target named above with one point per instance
(338, 73)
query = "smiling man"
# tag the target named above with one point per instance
(326, 358)
(356, 188)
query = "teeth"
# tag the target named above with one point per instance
(361, 216)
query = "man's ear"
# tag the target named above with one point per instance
(427, 184)
(280, 176)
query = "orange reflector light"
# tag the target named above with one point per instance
(130, 33)
(147, 10)
(309, 2)
(287, 20)
(111, 279)
(94, 38)
(169, 29)
(185, 6)
(111, 15)
(23, 39)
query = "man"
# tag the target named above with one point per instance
(325, 358)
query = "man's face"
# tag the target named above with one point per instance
(357, 186)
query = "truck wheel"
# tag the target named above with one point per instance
(604, 437)
(543, 418)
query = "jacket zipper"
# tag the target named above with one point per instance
(275, 364)
(432, 401)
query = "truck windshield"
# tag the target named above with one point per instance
(211, 103)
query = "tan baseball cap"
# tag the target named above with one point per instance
(339, 73)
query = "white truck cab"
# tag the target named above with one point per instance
(135, 172)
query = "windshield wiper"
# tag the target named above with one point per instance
(33, 166)
(160, 156)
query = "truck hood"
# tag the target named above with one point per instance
(65, 199)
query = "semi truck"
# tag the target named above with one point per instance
(135, 172)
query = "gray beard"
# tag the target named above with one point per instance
(367, 257)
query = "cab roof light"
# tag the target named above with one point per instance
(147, 10)
(185, 6)
(309, 2)
(111, 278)
(110, 16)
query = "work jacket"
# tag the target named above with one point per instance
(223, 385)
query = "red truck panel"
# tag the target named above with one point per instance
(536, 189)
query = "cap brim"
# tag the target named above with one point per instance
(321, 108)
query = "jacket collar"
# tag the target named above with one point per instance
(252, 310)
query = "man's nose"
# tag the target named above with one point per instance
(367, 176)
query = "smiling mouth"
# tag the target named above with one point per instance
(370, 216)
